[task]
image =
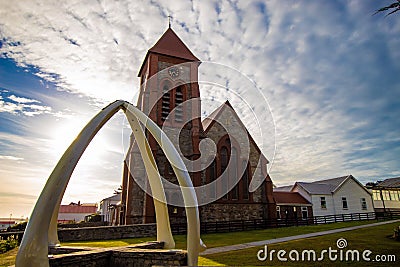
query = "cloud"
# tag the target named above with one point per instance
(22, 99)
(10, 158)
(328, 69)
(21, 105)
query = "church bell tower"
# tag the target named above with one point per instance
(169, 95)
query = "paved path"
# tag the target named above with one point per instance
(289, 238)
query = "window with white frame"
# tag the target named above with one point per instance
(278, 212)
(363, 204)
(323, 202)
(344, 203)
(304, 213)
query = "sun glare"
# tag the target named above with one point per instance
(67, 130)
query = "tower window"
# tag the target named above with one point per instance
(178, 104)
(165, 102)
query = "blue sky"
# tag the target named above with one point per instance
(329, 70)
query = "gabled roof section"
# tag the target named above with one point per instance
(390, 183)
(171, 45)
(77, 209)
(292, 198)
(316, 189)
(328, 186)
(286, 188)
(213, 117)
(115, 197)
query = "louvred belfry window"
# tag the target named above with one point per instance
(165, 102)
(178, 104)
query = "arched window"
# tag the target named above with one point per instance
(233, 174)
(224, 165)
(165, 101)
(245, 181)
(212, 176)
(178, 102)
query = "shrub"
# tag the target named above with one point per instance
(396, 234)
(6, 245)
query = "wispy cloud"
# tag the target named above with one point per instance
(328, 69)
(10, 158)
(21, 105)
(22, 99)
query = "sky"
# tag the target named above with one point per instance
(329, 70)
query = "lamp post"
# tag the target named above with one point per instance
(9, 223)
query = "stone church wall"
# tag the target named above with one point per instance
(231, 212)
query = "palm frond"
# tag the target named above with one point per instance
(395, 6)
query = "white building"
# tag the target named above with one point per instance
(108, 208)
(75, 212)
(342, 195)
(5, 223)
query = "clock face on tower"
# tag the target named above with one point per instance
(173, 72)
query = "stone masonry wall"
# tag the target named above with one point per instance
(107, 232)
(147, 254)
(228, 212)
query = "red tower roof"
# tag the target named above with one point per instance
(171, 45)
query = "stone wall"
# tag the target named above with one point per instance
(82, 224)
(229, 212)
(147, 254)
(107, 232)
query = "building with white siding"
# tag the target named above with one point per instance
(75, 212)
(341, 195)
(108, 209)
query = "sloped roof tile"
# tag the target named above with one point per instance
(289, 198)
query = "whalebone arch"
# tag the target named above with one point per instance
(41, 231)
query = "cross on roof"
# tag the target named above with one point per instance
(169, 21)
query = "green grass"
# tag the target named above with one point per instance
(226, 239)
(8, 258)
(375, 239)
(211, 240)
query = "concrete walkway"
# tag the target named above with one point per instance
(288, 238)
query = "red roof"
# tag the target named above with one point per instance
(77, 209)
(171, 45)
(289, 198)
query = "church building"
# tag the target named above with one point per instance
(170, 96)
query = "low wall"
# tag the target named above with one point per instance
(107, 232)
(146, 254)
(82, 224)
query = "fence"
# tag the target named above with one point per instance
(222, 226)
(246, 225)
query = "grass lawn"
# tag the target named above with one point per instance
(375, 239)
(226, 239)
(213, 240)
(8, 258)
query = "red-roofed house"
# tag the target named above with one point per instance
(75, 212)
(292, 206)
